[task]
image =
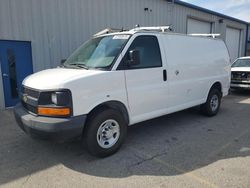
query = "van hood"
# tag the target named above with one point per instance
(241, 69)
(55, 78)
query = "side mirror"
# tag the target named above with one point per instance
(134, 58)
(63, 61)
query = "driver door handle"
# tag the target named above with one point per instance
(164, 75)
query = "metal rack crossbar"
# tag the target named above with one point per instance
(213, 35)
(108, 30)
(157, 28)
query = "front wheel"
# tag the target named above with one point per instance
(212, 105)
(105, 132)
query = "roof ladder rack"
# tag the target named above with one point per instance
(157, 28)
(213, 35)
(108, 30)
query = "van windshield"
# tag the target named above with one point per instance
(242, 63)
(98, 52)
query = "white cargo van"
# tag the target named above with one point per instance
(119, 79)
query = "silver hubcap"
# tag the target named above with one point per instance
(214, 103)
(108, 133)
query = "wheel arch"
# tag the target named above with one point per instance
(216, 85)
(113, 104)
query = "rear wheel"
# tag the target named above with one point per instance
(212, 105)
(105, 132)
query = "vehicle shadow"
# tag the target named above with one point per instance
(240, 92)
(169, 145)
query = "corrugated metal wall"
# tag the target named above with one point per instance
(57, 27)
(248, 44)
(183, 13)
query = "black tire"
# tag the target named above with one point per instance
(207, 108)
(94, 122)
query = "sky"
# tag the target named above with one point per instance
(235, 8)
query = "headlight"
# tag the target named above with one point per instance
(54, 98)
(55, 103)
(60, 98)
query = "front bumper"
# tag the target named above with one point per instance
(239, 85)
(58, 129)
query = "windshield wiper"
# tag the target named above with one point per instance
(79, 65)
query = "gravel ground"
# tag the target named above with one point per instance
(184, 149)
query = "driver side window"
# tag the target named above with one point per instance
(149, 50)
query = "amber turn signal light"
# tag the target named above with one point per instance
(53, 111)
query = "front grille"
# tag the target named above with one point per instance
(240, 76)
(242, 83)
(31, 92)
(32, 109)
(29, 98)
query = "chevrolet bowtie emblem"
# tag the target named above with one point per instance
(25, 98)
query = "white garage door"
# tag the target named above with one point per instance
(233, 42)
(196, 26)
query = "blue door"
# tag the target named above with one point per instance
(16, 64)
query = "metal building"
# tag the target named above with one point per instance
(248, 42)
(35, 35)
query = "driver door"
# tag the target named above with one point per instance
(146, 82)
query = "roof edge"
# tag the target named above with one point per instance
(189, 5)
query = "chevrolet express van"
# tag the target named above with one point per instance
(118, 79)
